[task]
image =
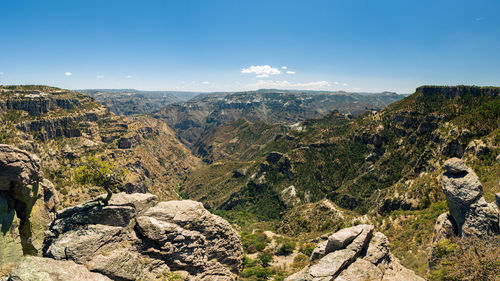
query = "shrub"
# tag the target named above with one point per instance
(467, 259)
(265, 259)
(99, 173)
(254, 242)
(307, 249)
(262, 273)
(300, 261)
(247, 262)
(286, 248)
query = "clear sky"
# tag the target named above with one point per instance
(214, 45)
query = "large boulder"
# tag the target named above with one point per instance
(186, 231)
(37, 268)
(136, 238)
(355, 253)
(470, 213)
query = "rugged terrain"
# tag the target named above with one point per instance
(132, 102)
(135, 237)
(384, 166)
(193, 118)
(65, 128)
(414, 178)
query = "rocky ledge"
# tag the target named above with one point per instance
(38, 268)
(354, 253)
(136, 238)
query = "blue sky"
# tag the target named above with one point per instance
(214, 45)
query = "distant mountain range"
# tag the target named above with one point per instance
(191, 119)
(131, 101)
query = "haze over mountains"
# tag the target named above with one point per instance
(131, 101)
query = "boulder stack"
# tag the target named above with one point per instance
(136, 238)
(354, 253)
(470, 214)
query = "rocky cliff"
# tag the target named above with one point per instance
(191, 119)
(64, 128)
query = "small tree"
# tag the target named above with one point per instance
(99, 173)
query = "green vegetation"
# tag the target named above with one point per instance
(286, 248)
(254, 242)
(467, 259)
(101, 173)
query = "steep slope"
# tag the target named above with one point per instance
(354, 161)
(385, 164)
(64, 127)
(193, 118)
(240, 140)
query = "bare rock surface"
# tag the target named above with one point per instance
(289, 196)
(21, 186)
(38, 268)
(136, 238)
(357, 254)
(470, 213)
(444, 227)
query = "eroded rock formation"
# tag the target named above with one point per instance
(470, 214)
(354, 253)
(21, 185)
(136, 238)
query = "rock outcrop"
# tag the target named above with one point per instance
(470, 214)
(134, 237)
(355, 253)
(38, 268)
(289, 196)
(21, 185)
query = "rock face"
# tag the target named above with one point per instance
(355, 253)
(289, 196)
(21, 185)
(134, 237)
(37, 268)
(470, 213)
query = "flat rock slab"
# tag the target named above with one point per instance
(44, 269)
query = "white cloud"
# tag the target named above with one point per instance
(67, 73)
(336, 83)
(262, 71)
(99, 77)
(1, 73)
(129, 77)
(205, 82)
(344, 84)
(290, 72)
(316, 85)
(284, 67)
